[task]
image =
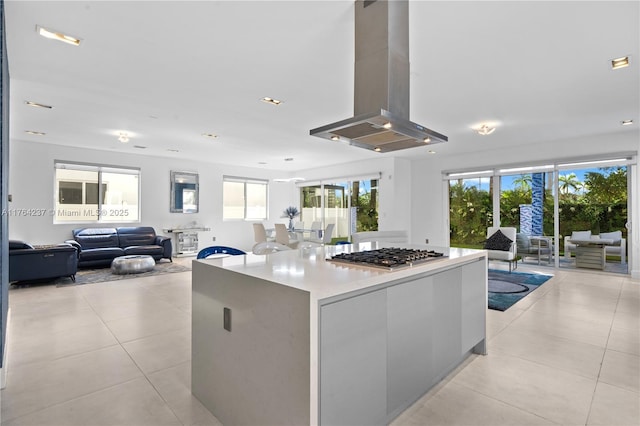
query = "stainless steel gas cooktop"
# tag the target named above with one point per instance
(387, 258)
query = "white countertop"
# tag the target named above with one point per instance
(308, 269)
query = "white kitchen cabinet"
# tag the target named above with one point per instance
(410, 316)
(353, 356)
(473, 314)
(447, 321)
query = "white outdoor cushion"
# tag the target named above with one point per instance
(581, 235)
(500, 255)
(616, 236)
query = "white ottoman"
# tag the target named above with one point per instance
(134, 264)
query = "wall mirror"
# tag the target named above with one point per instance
(184, 192)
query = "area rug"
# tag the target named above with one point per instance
(506, 288)
(98, 275)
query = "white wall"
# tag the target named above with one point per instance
(430, 217)
(31, 186)
(400, 202)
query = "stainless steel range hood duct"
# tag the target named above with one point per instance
(381, 100)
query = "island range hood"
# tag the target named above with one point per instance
(381, 99)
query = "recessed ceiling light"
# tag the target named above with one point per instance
(426, 140)
(288, 159)
(485, 130)
(335, 138)
(619, 63)
(431, 152)
(123, 137)
(33, 132)
(37, 105)
(140, 147)
(626, 122)
(172, 150)
(271, 101)
(57, 35)
(387, 125)
(210, 135)
(377, 149)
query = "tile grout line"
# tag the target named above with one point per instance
(48, 407)
(506, 402)
(524, 310)
(510, 323)
(604, 354)
(160, 393)
(146, 377)
(133, 360)
(72, 355)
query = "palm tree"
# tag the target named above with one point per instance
(569, 182)
(523, 182)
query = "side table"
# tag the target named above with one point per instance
(591, 253)
(185, 240)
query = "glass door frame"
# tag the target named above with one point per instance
(347, 184)
(346, 187)
(495, 172)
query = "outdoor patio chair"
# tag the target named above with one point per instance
(502, 246)
(534, 246)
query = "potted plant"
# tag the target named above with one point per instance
(291, 212)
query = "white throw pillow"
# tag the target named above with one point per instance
(616, 236)
(581, 235)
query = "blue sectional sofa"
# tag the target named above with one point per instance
(99, 246)
(39, 264)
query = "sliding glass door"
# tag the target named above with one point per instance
(350, 205)
(526, 203)
(552, 200)
(336, 209)
(594, 200)
(470, 211)
(364, 205)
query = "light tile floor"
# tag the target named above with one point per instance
(118, 353)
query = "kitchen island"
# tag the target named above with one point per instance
(291, 338)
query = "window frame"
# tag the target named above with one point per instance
(99, 169)
(245, 181)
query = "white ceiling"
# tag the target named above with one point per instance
(168, 71)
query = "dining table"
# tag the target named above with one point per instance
(301, 234)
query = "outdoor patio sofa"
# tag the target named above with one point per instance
(27, 263)
(99, 246)
(618, 248)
